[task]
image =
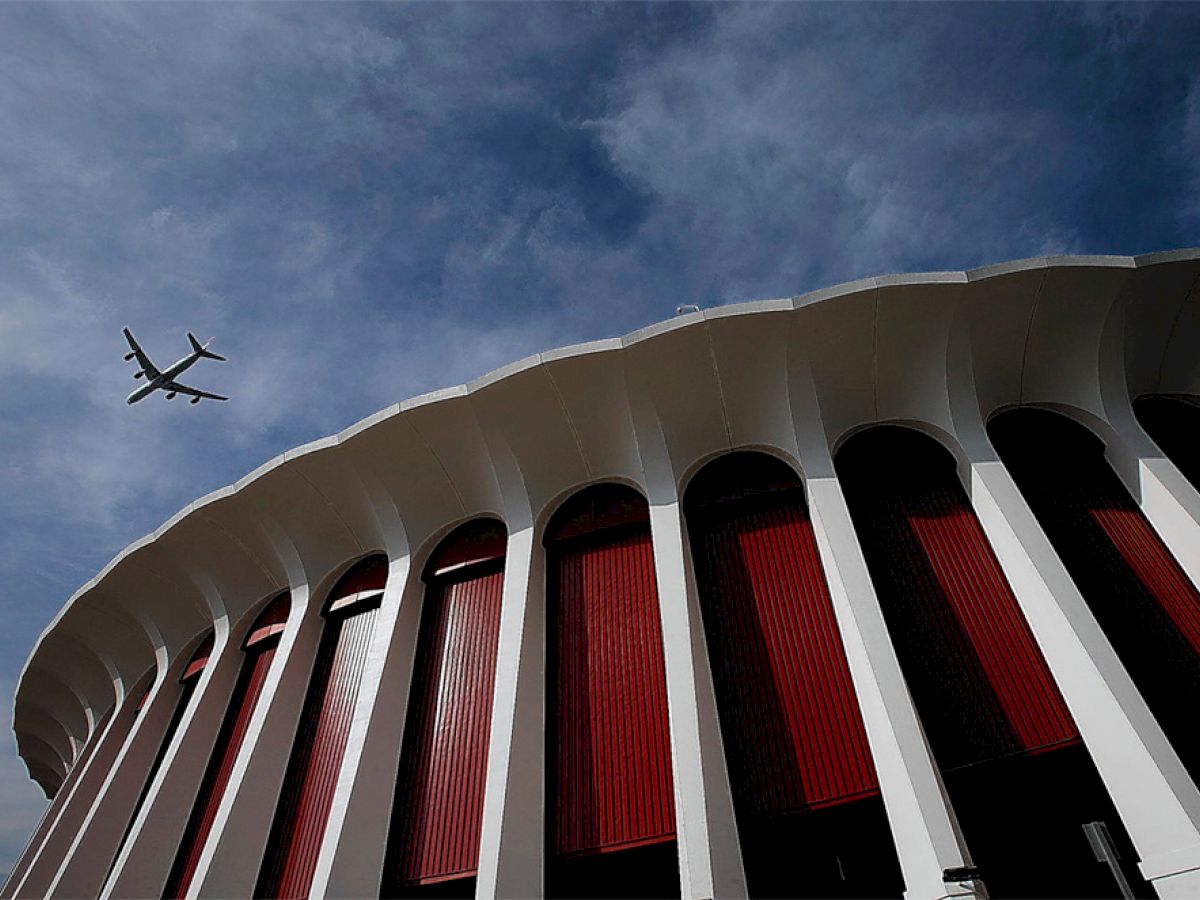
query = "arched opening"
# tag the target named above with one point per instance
(433, 845)
(189, 679)
(320, 743)
(259, 649)
(1174, 424)
(1020, 781)
(810, 817)
(1145, 603)
(610, 804)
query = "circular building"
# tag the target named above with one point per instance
(886, 590)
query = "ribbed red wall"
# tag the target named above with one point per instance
(794, 737)
(1145, 603)
(612, 784)
(229, 741)
(320, 743)
(442, 773)
(979, 680)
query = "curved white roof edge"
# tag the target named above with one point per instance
(1113, 268)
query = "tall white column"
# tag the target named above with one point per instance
(1157, 800)
(51, 813)
(145, 860)
(512, 843)
(42, 866)
(922, 822)
(86, 862)
(710, 860)
(350, 863)
(229, 863)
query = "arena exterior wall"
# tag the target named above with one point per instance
(939, 353)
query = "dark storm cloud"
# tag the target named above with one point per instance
(367, 202)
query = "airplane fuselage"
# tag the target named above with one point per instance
(176, 368)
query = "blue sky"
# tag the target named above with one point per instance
(367, 202)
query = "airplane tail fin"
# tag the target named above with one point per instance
(200, 348)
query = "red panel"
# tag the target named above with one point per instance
(199, 660)
(439, 809)
(612, 782)
(344, 602)
(229, 741)
(794, 737)
(307, 793)
(1152, 564)
(320, 743)
(1145, 603)
(979, 680)
(595, 509)
(271, 621)
(368, 575)
(476, 542)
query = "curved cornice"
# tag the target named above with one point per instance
(792, 374)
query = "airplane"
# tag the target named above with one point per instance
(165, 380)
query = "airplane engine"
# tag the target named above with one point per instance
(171, 396)
(138, 374)
(128, 357)
(194, 401)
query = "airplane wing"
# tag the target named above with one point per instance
(142, 359)
(190, 391)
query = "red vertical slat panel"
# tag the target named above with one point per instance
(246, 692)
(1145, 603)
(612, 784)
(311, 778)
(793, 733)
(979, 680)
(439, 801)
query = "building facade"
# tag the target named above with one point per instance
(886, 590)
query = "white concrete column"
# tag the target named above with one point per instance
(39, 864)
(710, 860)
(145, 860)
(350, 863)
(922, 822)
(229, 863)
(45, 823)
(1157, 800)
(512, 842)
(87, 861)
